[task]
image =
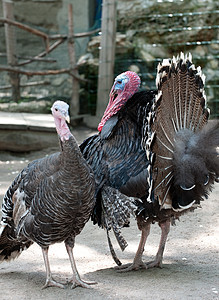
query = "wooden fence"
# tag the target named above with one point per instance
(15, 68)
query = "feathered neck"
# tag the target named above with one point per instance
(62, 129)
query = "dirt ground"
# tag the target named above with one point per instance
(190, 267)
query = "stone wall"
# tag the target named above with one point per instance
(148, 31)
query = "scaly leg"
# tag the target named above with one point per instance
(76, 280)
(49, 280)
(165, 228)
(137, 262)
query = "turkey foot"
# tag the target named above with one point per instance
(136, 265)
(79, 282)
(157, 263)
(51, 282)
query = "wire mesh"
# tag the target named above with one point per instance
(166, 34)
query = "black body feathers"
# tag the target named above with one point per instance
(116, 154)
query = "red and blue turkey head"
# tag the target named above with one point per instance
(124, 87)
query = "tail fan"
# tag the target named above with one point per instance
(182, 149)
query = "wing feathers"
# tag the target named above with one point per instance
(117, 210)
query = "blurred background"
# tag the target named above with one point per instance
(72, 50)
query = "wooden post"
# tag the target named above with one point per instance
(11, 48)
(74, 104)
(107, 55)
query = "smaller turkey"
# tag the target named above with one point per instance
(50, 201)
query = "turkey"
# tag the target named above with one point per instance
(50, 201)
(130, 153)
(118, 159)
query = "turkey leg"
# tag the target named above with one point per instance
(165, 228)
(49, 280)
(137, 262)
(76, 280)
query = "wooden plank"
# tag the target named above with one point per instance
(107, 54)
(74, 104)
(10, 36)
(35, 83)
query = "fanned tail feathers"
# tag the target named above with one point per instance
(182, 149)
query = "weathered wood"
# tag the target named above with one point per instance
(24, 27)
(46, 72)
(35, 83)
(75, 35)
(74, 104)
(10, 23)
(44, 53)
(42, 59)
(11, 48)
(31, 72)
(43, 34)
(107, 54)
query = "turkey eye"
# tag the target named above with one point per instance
(56, 109)
(119, 81)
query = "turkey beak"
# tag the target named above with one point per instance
(67, 118)
(114, 94)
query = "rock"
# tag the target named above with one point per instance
(26, 140)
(134, 68)
(123, 45)
(149, 50)
(84, 59)
(146, 56)
(93, 45)
(200, 51)
(38, 106)
(58, 81)
(214, 64)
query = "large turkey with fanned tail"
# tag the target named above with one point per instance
(138, 152)
(181, 145)
(50, 201)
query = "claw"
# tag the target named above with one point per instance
(154, 264)
(51, 282)
(82, 283)
(131, 267)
